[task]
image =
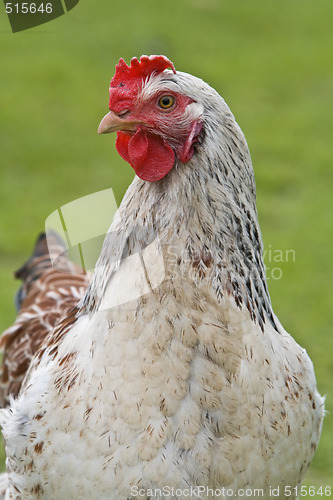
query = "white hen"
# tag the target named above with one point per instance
(173, 377)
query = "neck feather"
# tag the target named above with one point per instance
(204, 216)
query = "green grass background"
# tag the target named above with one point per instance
(271, 61)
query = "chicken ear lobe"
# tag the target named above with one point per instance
(187, 151)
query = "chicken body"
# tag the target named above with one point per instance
(174, 376)
(52, 286)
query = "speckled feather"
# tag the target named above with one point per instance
(193, 382)
(48, 293)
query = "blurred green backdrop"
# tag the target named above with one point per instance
(271, 61)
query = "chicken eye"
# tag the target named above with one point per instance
(166, 101)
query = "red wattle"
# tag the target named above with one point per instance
(150, 156)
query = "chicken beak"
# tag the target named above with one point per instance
(112, 122)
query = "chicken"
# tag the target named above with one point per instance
(172, 377)
(52, 286)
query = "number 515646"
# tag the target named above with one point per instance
(28, 8)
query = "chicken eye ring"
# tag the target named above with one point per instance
(166, 101)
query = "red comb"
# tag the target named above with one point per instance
(139, 69)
